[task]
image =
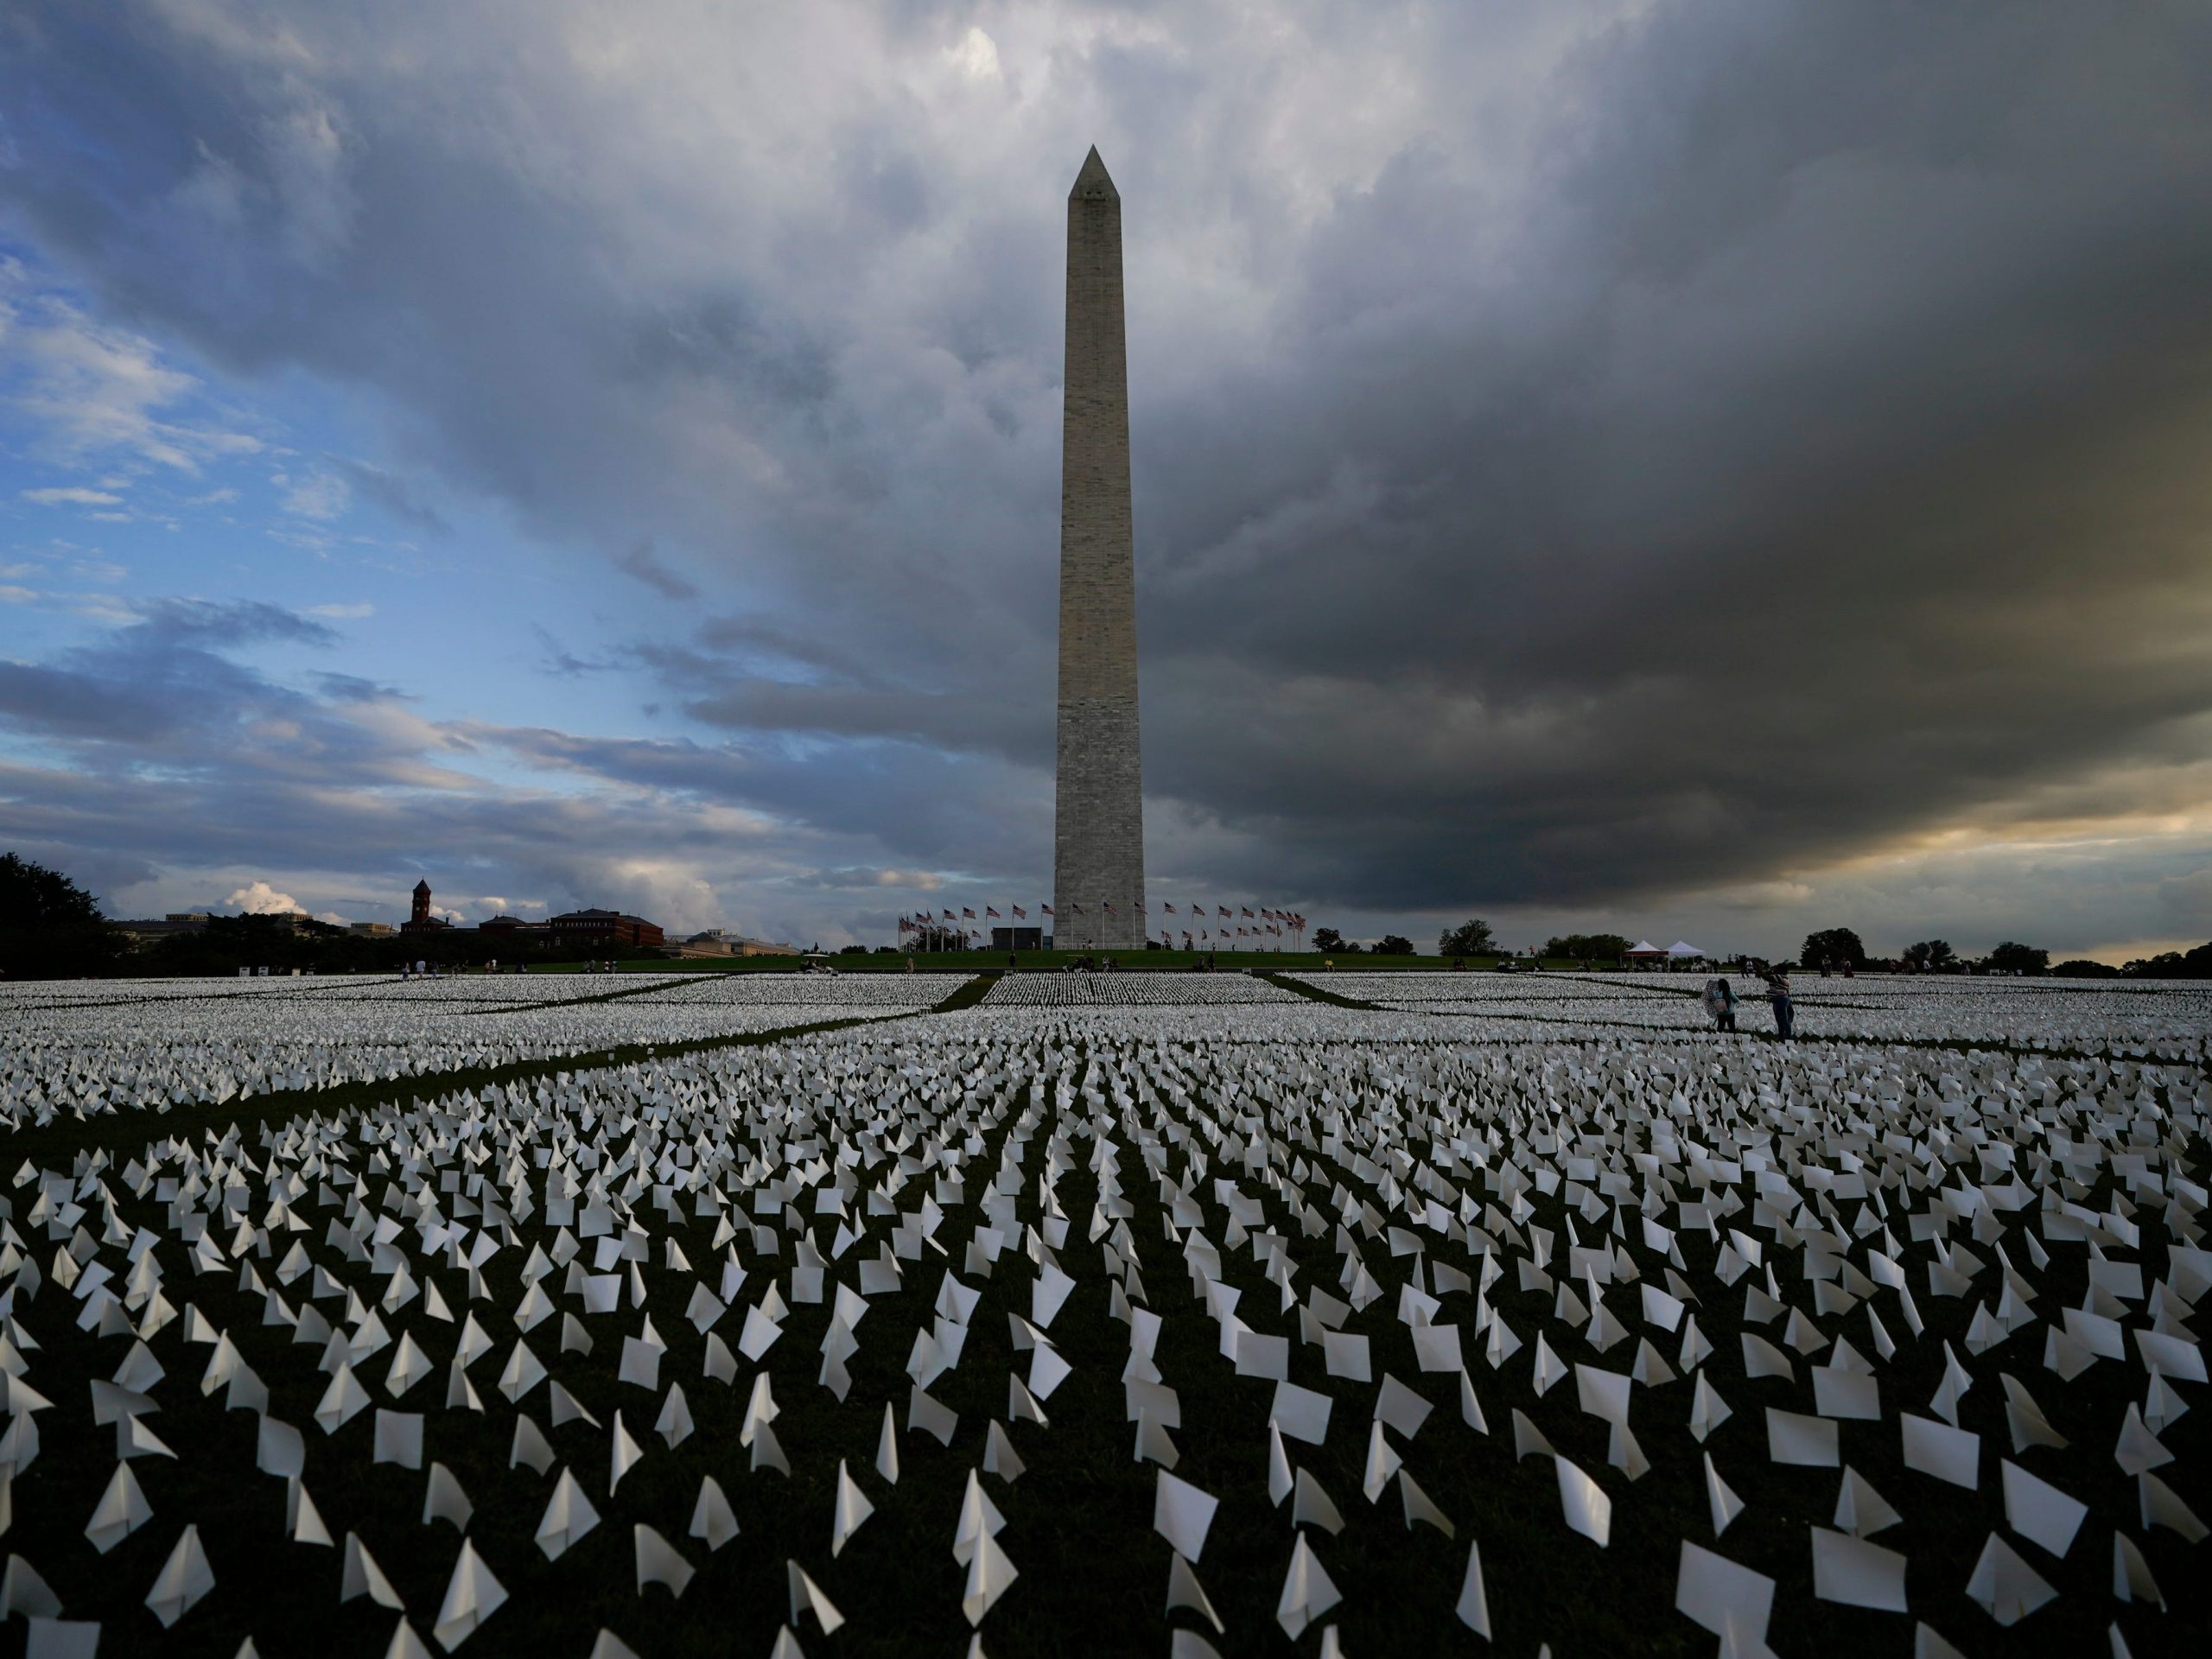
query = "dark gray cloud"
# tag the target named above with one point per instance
(352, 688)
(1581, 456)
(167, 754)
(211, 625)
(162, 678)
(397, 496)
(644, 564)
(557, 658)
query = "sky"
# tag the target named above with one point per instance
(1700, 471)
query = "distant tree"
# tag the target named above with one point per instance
(2082, 967)
(1837, 946)
(2013, 957)
(1470, 939)
(1932, 956)
(1394, 944)
(1349, 947)
(852, 949)
(227, 943)
(1586, 947)
(2165, 965)
(51, 928)
(32, 896)
(2173, 964)
(1328, 941)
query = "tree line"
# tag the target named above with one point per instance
(1329, 942)
(1839, 947)
(51, 928)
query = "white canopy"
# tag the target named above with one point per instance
(1645, 947)
(1679, 949)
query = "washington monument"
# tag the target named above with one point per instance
(1098, 804)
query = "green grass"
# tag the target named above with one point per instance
(1042, 960)
(1314, 993)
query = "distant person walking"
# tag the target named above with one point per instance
(1720, 1003)
(1777, 996)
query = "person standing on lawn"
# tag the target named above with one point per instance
(1777, 996)
(1720, 1003)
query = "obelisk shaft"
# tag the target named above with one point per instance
(1098, 816)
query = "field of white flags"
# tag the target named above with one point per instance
(98, 1046)
(1173, 1314)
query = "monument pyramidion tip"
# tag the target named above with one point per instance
(1093, 180)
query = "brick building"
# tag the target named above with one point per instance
(419, 919)
(602, 927)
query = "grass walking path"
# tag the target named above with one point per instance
(1315, 994)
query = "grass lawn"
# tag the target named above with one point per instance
(969, 961)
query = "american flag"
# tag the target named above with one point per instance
(993, 914)
(1171, 910)
(1247, 909)
(1045, 910)
(1223, 909)
(1021, 915)
(948, 915)
(967, 915)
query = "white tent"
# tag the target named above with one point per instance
(1681, 952)
(1645, 947)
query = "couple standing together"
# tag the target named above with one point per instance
(1720, 1001)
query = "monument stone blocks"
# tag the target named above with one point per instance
(1098, 828)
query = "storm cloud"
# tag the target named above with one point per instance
(1588, 458)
